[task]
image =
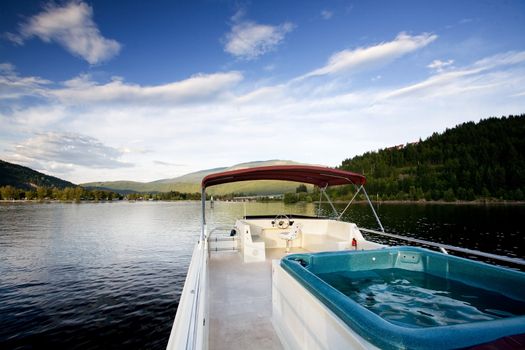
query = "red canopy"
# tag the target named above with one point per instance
(315, 175)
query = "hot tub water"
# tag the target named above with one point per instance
(418, 299)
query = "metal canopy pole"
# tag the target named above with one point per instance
(355, 195)
(329, 201)
(373, 210)
(203, 201)
(320, 200)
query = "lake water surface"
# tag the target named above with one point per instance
(109, 275)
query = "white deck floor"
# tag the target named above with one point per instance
(241, 302)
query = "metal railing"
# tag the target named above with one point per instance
(219, 239)
(218, 228)
(445, 247)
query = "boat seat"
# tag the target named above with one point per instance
(289, 236)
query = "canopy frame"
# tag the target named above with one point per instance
(309, 174)
(322, 177)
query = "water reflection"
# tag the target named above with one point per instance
(493, 229)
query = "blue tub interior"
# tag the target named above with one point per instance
(408, 297)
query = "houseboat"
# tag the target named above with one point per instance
(298, 282)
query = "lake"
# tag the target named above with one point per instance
(109, 275)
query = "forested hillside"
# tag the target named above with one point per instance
(25, 178)
(20, 182)
(470, 161)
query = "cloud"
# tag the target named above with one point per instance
(83, 89)
(249, 121)
(160, 162)
(30, 119)
(434, 84)
(373, 56)
(63, 150)
(465, 20)
(200, 86)
(467, 78)
(72, 27)
(506, 58)
(326, 14)
(7, 68)
(248, 40)
(13, 86)
(439, 65)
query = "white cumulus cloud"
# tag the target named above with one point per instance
(249, 40)
(72, 27)
(200, 86)
(50, 149)
(371, 56)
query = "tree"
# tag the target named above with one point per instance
(449, 195)
(41, 193)
(290, 198)
(301, 188)
(8, 192)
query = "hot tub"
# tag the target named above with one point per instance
(407, 297)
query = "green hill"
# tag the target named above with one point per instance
(190, 183)
(25, 178)
(472, 160)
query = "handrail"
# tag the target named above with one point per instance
(218, 228)
(448, 247)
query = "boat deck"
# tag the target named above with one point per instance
(241, 302)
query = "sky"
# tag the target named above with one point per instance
(146, 90)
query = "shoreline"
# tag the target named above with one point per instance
(440, 202)
(387, 202)
(49, 201)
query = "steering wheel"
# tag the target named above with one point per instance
(281, 221)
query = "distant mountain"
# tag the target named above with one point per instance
(191, 182)
(25, 178)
